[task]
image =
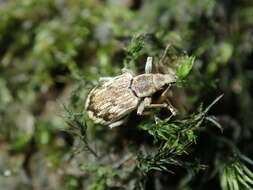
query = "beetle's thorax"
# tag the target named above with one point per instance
(147, 84)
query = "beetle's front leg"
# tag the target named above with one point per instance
(164, 98)
(172, 109)
(164, 95)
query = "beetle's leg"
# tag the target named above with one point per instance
(164, 105)
(117, 123)
(147, 113)
(172, 109)
(103, 79)
(164, 98)
(148, 66)
(146, 103)
(140, 108)
(143, 104)
(164, 95)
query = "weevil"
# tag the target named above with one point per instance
(114, 98)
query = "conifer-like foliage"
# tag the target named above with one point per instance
(52, 53)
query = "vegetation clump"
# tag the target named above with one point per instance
(52, 54)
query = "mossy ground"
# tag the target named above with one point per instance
(52, 52)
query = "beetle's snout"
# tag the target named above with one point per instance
(170, 78)
(161, 80)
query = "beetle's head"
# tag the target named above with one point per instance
(162, 80)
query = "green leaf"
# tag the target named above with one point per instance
(213, 120)
(184, 67)
(235, 177)
(20, 142)
(214, 102)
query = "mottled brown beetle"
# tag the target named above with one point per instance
(111, 101)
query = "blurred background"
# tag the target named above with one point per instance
(53, 51)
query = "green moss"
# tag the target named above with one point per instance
(53, 52)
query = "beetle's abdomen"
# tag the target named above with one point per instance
(143, 85)
(111, 100)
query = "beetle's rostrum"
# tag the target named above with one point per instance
(110, 102)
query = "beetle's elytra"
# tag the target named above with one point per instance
(114, 98)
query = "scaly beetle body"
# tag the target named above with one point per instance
(114, 98)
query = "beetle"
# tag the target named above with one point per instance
(114, 98)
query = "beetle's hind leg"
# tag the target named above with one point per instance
(118, 123)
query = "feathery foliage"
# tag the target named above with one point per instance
(53, 52)
(236, 176)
